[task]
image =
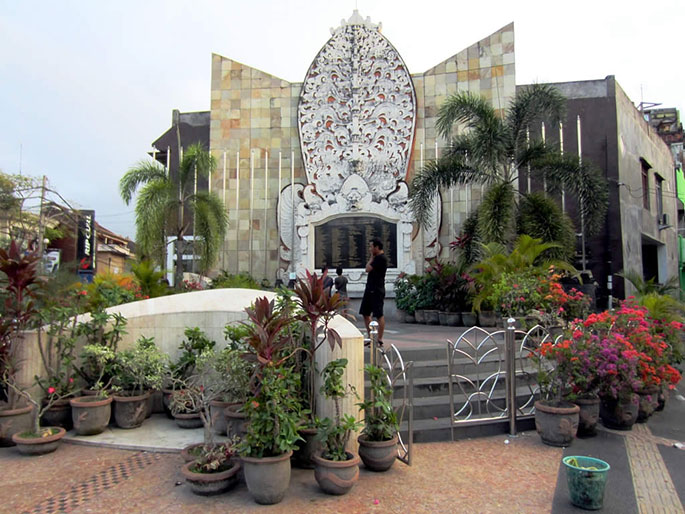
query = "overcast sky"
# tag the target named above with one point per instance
(86, 86)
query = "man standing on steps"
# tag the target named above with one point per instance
(374, 293)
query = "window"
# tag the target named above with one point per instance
(645, 183)
(659, 187)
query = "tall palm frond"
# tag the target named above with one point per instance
(141, 173)
(496, 214)
(195, 160)
(211, 221)
(541, 217)
(582, 180)
(532, 105)
(645, 287)
(154, 205)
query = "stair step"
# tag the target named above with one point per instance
(426, 431)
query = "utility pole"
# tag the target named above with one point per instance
(41, 222)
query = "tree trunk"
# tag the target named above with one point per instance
(178, 269)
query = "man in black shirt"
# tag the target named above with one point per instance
(374, 293)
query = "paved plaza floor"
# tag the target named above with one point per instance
(139, 471)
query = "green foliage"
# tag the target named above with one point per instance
(541, 218)
(380, 418)
(453, 288)
(100, 362)
(491, 151)
(164, 201)
(235, 333)
(110, 289)
(273, 414)
(102, 332)
(240, 280)
(516, 293)
(235, 373)
(140, 368)
(426, 285)
(335, 433)
(406, 295)
(215, 458)
(195, 343)
(56, 343)
(528, 256)
(149, 280)
(644, 287)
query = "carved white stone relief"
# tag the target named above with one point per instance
(356, 120)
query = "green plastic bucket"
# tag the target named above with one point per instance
(586, 478)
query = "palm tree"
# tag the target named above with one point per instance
(161, 207)
(491, 152)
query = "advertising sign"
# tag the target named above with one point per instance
(85, 246)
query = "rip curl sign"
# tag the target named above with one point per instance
(85, 246)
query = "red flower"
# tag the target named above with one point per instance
(51, 390)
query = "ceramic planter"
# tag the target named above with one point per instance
(588, 416)
(303, 456)
(188, 453)
(488, 318)
(450, 319)
(14, 421)
(409, 318)
(619, 415)
(556, 422)
(58, 415)
(188, 420)
(206, 484)
(468, 319)
(267, 478)
(216, 412)
(420, 315)
(377, 455)
(648, 403)
(336, 477)
(90, 414)
(129, 411)
(235, 422)
(39, 445)
(432, 317)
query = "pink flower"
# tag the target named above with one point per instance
(376, 502)
(51, 390)
(71, 380)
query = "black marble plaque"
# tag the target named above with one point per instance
(345, 241)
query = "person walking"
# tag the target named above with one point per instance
(327, 281)
(374, 292)
(340, 282)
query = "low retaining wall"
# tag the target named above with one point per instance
(166, 318)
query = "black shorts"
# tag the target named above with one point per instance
(372, 303)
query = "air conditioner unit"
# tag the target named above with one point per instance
(663, 221)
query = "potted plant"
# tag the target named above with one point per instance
(556, 419)
(185, 407)
(137, 370)
(236, 373)
(273, 412)
(315, 309)
(405, 297)
(214, 471)
(574, 362)
(194, 343)
(18, 315)
(378, 440)
(91, 413)
(37, 440)
(337, 469)
(101, 329)
(57, 335)
(425, 303)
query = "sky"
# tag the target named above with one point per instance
(86, 86)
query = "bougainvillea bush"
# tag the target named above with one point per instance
(614, 353)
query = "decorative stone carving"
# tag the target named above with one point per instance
(356, 120)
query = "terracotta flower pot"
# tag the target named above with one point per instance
(378, 455)
(556, 422)
(336, 477)
(588, 416)
(207, 484)
(90, 414)
(303, 456)
(216, 412)
(267, 478)
(235, 422)
(29, 444)
(648, 403)
(619, 415)
(129, 411)
(13, 421)
(188, 420)
(58, 415)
